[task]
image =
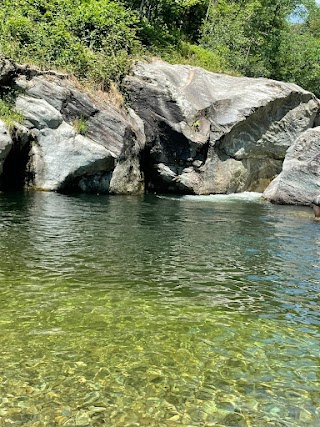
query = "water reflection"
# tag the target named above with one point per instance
(239, 255)
(164, 311)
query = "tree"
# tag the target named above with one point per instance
(248, 33)
(299, 59)
(169, 21)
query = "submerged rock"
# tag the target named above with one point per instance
(299, 181)
(213, 133)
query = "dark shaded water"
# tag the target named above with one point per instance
(156, 311)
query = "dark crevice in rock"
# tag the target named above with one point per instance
(147, 168)
(177, 153)
(9, 93)
(171, 145)
(17, 172)
(202, 153)
(8, 71)
(97, 183)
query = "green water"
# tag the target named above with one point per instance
(155, 311)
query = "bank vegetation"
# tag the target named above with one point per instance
(97, 40)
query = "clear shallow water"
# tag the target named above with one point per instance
(158, 311)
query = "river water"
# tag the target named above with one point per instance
(158, 311)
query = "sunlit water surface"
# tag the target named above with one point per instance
(158, 311)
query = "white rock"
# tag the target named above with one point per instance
(38, 112)
(61, 155)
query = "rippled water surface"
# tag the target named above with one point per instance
(158, 311)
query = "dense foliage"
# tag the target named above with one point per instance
(93, 39)
(279, 39)
(97, 39)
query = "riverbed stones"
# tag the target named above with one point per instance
(299, 181)
(213, 133)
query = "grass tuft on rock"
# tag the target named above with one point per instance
(80, 125)
(8, 114)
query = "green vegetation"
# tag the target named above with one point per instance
(81, 125)
(279, 39)
(94, 40)
(7, 112)
(196, 125)
(97, 40)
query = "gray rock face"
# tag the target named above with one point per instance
(61, 158)
(299, 181)
(38, 112)
(316, 200)
(5, 144)
(212, 133)
(127, 177)
(188, 131)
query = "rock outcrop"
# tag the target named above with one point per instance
(184, 130)
(212, 133)
(8, 71)
(299, 181)
(62, 158)
(62, 155)
(5, 144)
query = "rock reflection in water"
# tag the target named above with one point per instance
(158, 311)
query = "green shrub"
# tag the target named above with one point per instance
(96, 40)
(80, 125)
(93, 39)
(300, 61)
(104, 25)
(186, 53)
(8, 114)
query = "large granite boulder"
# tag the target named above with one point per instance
(299, 181)
(67, 157)
(188, 130)
(213, 133)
